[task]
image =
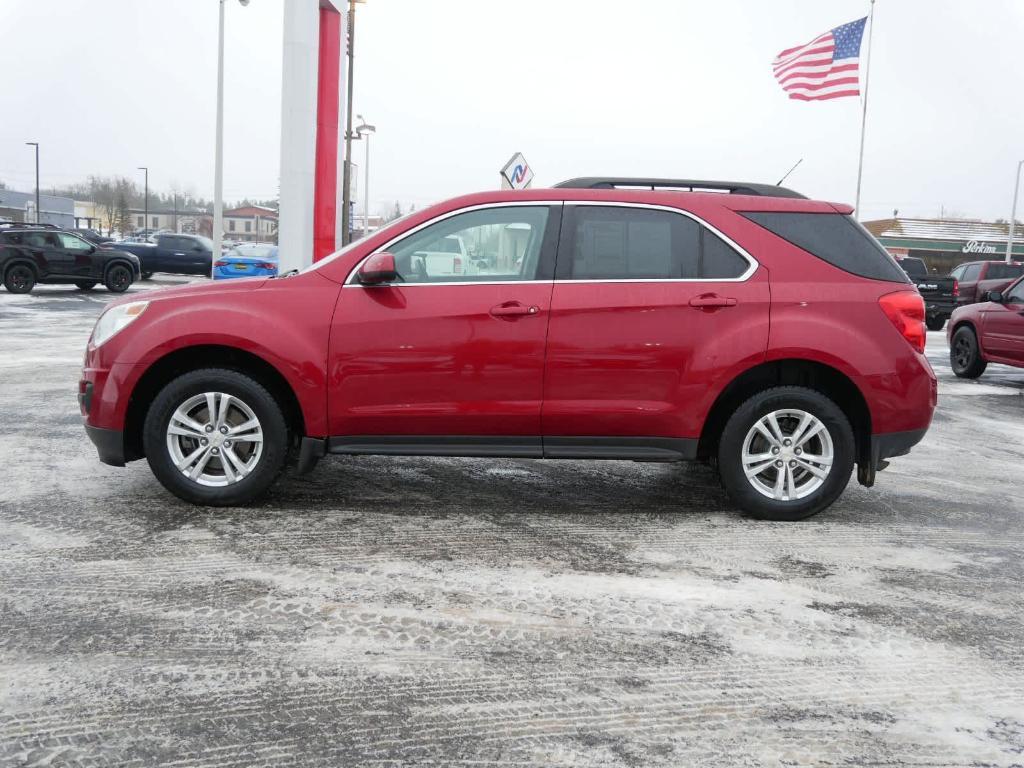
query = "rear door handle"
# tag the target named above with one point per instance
(513, 309)
(712, 301)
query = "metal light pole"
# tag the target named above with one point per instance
(1013, 215)
(364, 130)
(38, 209)
(346, 192)
(145, 201)
(218, 160)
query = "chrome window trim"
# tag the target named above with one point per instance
(753, 264)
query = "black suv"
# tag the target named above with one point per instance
(41, 253)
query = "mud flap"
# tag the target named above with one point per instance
(311, 450)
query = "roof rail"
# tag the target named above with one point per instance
(28, 225)
(691, 185)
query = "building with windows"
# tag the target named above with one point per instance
(944, 243)
(253, 223)
(21, 206)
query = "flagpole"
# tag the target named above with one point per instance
(864, 113)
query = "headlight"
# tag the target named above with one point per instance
(114, 319)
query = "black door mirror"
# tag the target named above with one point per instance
(996, 296)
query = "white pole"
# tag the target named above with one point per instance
(366, 189)
(1013, 215)
(218, 162)
(864, 113)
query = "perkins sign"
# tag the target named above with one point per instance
(976, 246)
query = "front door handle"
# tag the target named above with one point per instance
(710, 300)
(513, 309)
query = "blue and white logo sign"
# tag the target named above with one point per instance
(517, 173)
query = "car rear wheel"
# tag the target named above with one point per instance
(964, 354)
(215, 437)
(20, 279)
(935, 322)
(118, 278)
(85, 285)
(786, 453)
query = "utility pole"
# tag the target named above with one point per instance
(39, 210)
(346, 192)
(145, 201)
(1013, 215)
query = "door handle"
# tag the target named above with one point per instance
(710, 300)
(513, 310)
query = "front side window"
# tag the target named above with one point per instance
(487, 245)
(1016, 293)
(73, 243)
(624, 243)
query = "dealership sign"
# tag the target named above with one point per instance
(976, 246)
(517, 173)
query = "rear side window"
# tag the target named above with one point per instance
(971, 272)
(622, 243)
(1004, 271)
(835, 238)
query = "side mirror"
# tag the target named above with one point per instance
(378, 269)
(996, 296)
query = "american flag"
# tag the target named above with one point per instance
(825, 68)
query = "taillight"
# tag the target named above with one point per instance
(265, 265)
(956, 287)
(457, 265)
(220, 263)
(905, 309)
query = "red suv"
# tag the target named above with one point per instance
(653, 320)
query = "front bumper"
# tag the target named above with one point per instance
(109, 444)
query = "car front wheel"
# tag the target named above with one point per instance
(118, 278)
(935, 322)
(964, 355)
(19, 279)
(216, 437)
(786, 453)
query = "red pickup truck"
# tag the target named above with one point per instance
(968, 283)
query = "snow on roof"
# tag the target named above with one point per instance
(942, 229)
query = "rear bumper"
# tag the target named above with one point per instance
(109, 444)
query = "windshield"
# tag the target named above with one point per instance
(348, 248)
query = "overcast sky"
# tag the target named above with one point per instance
(677, 88)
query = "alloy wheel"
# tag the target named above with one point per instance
(962, 352)
(787, 454)
(215, 439)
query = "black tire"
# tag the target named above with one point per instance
(20, 278)
(935, 322)
(146, 275)
(118, 278)
(730, 449)
(250, 392)
(85, 285)
(965, 355)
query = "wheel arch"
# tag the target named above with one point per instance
(829, 381)
(191, 358)
(24, 260)
(117, 261)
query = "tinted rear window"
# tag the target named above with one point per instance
(1004, 271)
(835, 238)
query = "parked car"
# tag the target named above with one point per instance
(991, 331)
(176, 254)
(758, 329)
(93, 236)
(31, 254)
(252, 260)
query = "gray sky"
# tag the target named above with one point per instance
(581, 87)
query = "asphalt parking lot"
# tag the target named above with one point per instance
(501, 612)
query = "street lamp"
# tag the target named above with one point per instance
(145, 200)
(36, 145)
(218, 161)
(363, 131)
(346, 192)
(1013, 215)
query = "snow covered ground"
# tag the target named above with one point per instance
(500, 612)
